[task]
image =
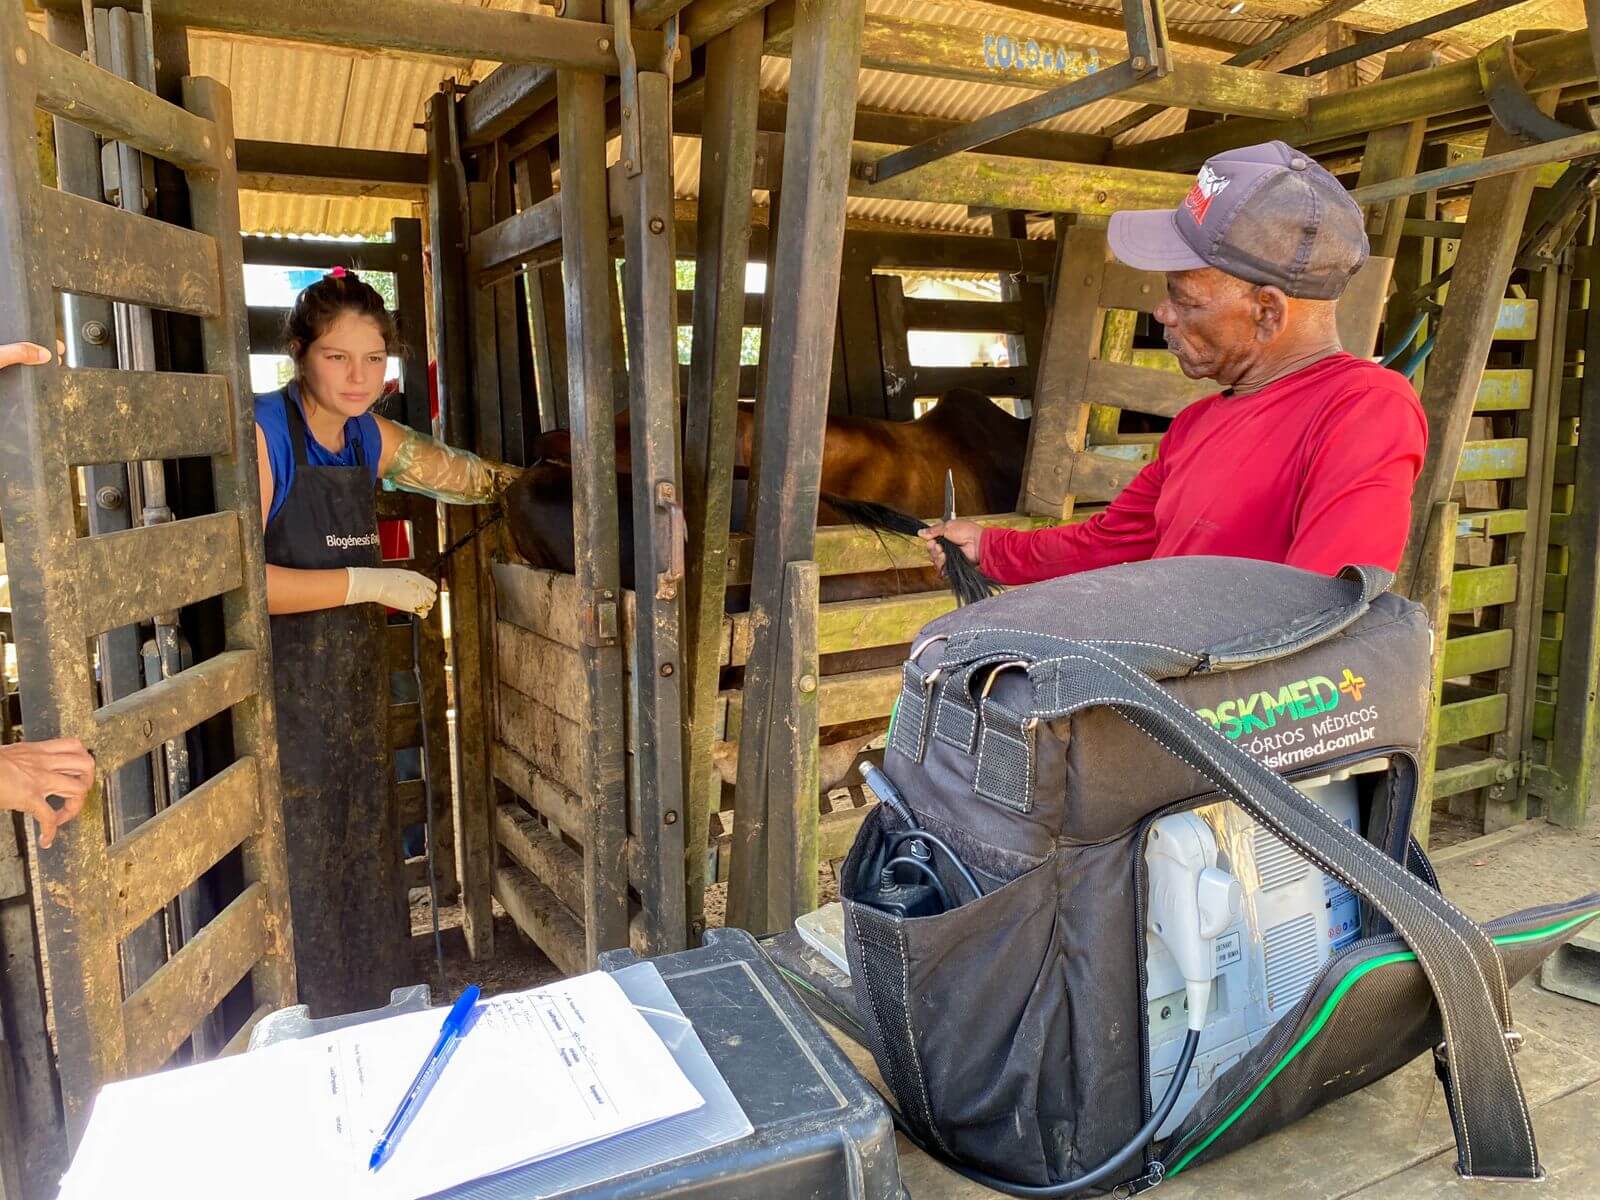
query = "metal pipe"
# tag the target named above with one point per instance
(1448, 19)
(1583, 145)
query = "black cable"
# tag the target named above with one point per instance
(933, 877)
(1101, 1174)
(900, 835)
(884, 789)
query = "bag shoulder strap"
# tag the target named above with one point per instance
(1494, 1135)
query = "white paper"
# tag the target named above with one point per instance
(540, 1073)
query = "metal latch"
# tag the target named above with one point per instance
(668, 581)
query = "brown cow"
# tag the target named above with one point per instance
(900, 464)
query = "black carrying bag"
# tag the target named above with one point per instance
(1039, 734)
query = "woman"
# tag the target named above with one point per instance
(321, 453)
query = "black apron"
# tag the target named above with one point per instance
(340, 819)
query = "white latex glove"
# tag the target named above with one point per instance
(406, 591)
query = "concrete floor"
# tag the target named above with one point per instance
(1392, 1140)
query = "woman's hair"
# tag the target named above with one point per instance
(320, 305)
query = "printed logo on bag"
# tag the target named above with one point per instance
(1268, 723)
(343, 541)
(1207, 187)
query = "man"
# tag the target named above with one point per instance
(1308, 455)
(32, 772)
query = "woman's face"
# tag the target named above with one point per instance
(343, 369)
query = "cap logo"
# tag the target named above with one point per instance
(1207, 187)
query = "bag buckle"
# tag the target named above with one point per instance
(1028, 723)
(1513, 1044)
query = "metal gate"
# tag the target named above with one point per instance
(94, 890)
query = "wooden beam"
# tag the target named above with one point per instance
(331, 170)
(514, 240)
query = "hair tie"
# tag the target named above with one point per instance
(337, 273)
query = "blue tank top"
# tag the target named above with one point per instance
(273, 421)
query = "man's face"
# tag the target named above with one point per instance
(1213, 324)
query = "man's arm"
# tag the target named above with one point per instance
(1355, 504)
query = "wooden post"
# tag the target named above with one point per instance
(1575, 748)
(535, 183)
(792, 756)
(448, 234)
(1506, 802)
(899, 381)
(650, 280)
(804, 285)
(858, 337)
(1432, 591)
(1060, 409)
(1392, 153)
(1488, 245)
(722, 251)
(588, 283)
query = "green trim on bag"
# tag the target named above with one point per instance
(1332, 1002)
(894, 712)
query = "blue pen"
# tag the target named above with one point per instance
(450, 1035)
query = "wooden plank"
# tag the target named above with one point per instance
(1499, 458)
(546, 602)
(1061, 400)
(1097, 476)
(128, 416)
(171, 850)
(77, 90)
(1555, 593)
(999, 181)
(898, 377)
(541, 670)
(1466, 777)
(1142, 389)
(135, 574)
(592, 362)
(1483, 587)
(975, 316)
(538, 912)
(541, 735)
(844, 698)
(1494, 522)
(1432, 591)
(1467, 719)
(792, 759)
(722, 251)
(1125, 287)
(97, 250)
(331, 171)
(556, 804)
(405, 726)
(1477, 653)
(534, 181)
(539, 852)
(516, 239)
(1505, 390)
(803, 281)
(135, 725)
(1517, 320)
(166, 1009)
(991, 381)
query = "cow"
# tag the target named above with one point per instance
(897, 464)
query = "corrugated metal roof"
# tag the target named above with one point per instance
(342, 98)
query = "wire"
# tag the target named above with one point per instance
(1101, 1174)
(933, 877)
(901, 835)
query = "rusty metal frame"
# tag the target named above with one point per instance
(69, 589)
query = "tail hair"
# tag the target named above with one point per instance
(969, 584)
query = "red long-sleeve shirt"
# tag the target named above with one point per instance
(1315, 470)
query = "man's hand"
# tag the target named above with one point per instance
(32, 772)
(23, 353)
(968, 535)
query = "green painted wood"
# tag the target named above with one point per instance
(1466, 777)
(1477, 653)
(1518, 321)
(1500, 458)
(1483, 587)
(1494, 522)
(1549, 656)
(1555, 592)
(1544, 720)
(1474, 718)
(1505, 390)
(1566, 465)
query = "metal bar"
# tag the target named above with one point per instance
(546, 319)
(214, 205)
(174, 848)
(650, 307)
(177, 998)
(588, 280)
(448, 235)
(133, 415)
(1101, 85)
(1367, 47)
(722, 251)
(1466, 329)
(803, 286)
(37, 510)
(331, 170)
(1490, 166)
(995, 181)
(308, 252)
(98, 250)
(1560, 60)
(413, 28)
(209, 546)
(80, 92)
(405, 245)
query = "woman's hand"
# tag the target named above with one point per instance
(968, 535)
(406, 591)
(32, 772)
